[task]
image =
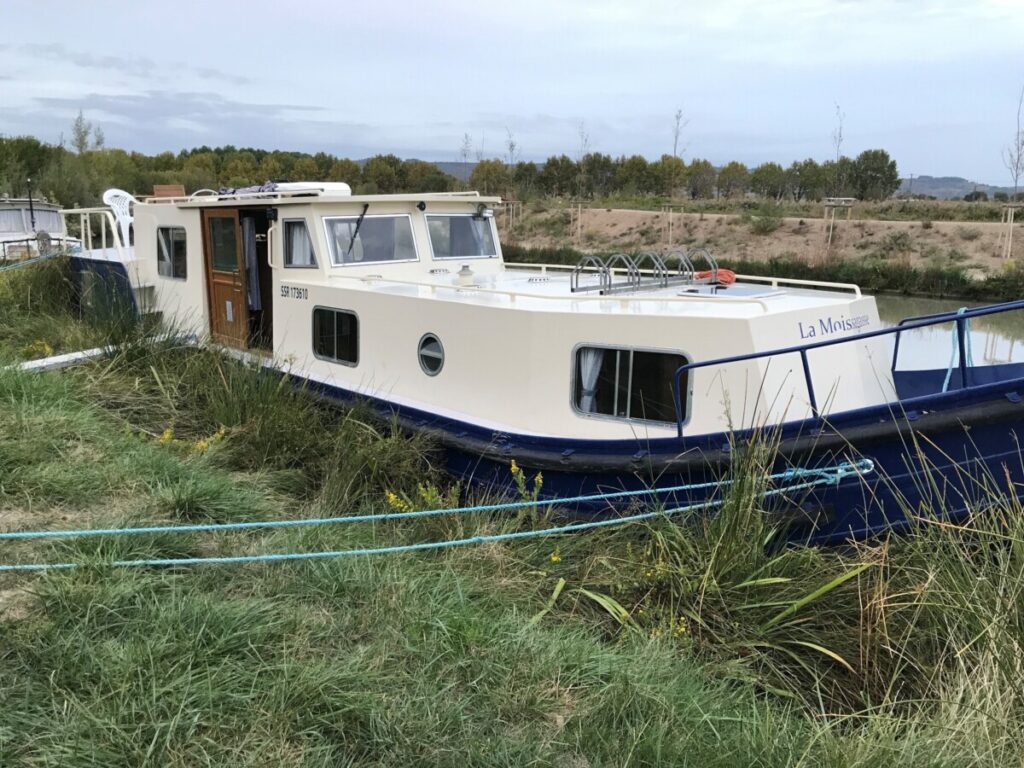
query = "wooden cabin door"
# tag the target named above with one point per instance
(225, 277)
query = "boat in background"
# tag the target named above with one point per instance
(623, 373)
(31, 228)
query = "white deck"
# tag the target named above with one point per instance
(541, 289)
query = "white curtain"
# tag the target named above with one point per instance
(163, 261)
(590, 367)
(301, 248)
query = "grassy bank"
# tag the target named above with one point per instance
(873, 273)
(654, 644)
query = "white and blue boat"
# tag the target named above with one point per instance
(30, 228)
(616, 374)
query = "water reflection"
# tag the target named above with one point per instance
(994, 339)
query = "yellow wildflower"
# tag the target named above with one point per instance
(397, 503)
(556, 556)
(38, 348)
(167, 436)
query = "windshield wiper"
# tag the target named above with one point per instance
(355, 234)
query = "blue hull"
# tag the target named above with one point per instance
(112, 290)
(942, 457)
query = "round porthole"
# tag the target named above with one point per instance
(431, 354)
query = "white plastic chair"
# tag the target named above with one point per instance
(120, 203)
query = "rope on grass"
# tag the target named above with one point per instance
(827, 476)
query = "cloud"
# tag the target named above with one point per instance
(207, 73)
(152, 107)
(60, 52)
(135, 66)
(155, 120)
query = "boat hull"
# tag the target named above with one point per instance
(934, 456)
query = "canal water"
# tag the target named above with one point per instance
(994, 339)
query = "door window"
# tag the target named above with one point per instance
(224, 245)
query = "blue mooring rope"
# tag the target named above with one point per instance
(830, 475)
(953, 353)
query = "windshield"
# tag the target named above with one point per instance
(10, 220)
(48, 221)
(361, 240)
(461, 237)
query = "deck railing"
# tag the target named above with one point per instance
(959, 317)
(13, 251)
(774, 282)
(96, 226)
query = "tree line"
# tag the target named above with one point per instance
(78, 173)
(872, 175)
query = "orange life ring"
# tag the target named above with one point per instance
(725, 276)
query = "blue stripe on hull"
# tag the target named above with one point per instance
(947, 472)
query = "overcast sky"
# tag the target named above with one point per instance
(935, 82)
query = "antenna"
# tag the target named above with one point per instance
(31, 210)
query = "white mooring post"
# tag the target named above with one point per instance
(1006, 234)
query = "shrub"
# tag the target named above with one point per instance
(895, 243)
(765, 221)
(968, 233)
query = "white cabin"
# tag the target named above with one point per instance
(407, 299)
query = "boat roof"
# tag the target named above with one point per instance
(547, 289)
(23, 202)
(314, 193)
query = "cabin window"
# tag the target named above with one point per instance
(298, 247)
(461, 237)
(47, 221)
(626, 383)
(370, 239)
(170, 252)
(11, 220)
(431, 354)
(336, 335)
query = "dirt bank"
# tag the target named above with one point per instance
(977, 245)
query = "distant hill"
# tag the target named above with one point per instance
(947, 187)
(460, 171)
